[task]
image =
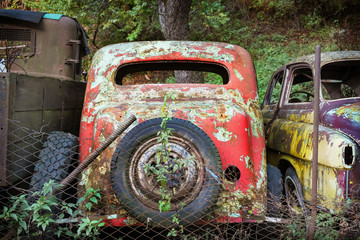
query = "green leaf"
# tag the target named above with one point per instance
(23, 224)
(58, 233)
(69, 211)
(101, 224)
(85, 220)
(89, 191)
(76, 212)
(72, 205)
(46, 207)
(88, 231)
(5, 209)
(14, 216)
(43, 226)
(95, 221)
(172, 233)
(80, 229)
(97, 194)
(94, 200)
(69, 233)
(88, 205)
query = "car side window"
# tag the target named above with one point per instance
(302, 86)
(274, 91)
(340, 80)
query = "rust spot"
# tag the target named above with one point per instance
(219, 91)
(222, 112)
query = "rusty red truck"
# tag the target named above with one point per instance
(215, 118)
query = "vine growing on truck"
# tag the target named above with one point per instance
(165, 165)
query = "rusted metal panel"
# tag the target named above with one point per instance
(42, 91)
(295, 139)
(55, 46)
(4, 104)
(346, 117)
(51, 105)
(229, 114)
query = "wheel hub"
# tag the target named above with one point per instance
(181, 174)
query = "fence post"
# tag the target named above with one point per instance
(314, 181)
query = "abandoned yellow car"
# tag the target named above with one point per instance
(288, 111)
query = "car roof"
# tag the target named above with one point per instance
(327, 57)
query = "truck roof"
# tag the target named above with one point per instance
(172, 50)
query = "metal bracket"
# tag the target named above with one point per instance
(76, 60)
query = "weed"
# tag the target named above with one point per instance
(36, 218)
(165, 166)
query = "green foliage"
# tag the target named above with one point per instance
(171, 79)
(206, 17)
(89, 228)
(16, 214)
(279, 9)
(164, 165)
(12, 4)
(34, 219)
(213, 78)
(270, 59)
(91, 196)
(273, 31)
(312, 20)
(271, 51)
(107, 21)
(327, 225)
(297, 228)
(128, 20)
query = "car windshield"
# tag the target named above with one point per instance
(171, 72)
(341, 80)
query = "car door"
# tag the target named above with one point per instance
(291, 122)
(272, 101)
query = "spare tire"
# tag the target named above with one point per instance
(194, 188)
(54, 161)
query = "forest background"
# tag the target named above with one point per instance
(273, 31)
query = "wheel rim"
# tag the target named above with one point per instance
(183, 185)
(294, 200)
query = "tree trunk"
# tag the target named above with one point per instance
(174, 21)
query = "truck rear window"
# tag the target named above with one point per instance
(171, 72)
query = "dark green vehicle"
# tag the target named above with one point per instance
(41, 89)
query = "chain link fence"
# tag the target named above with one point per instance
(97, 205)
(10, 51)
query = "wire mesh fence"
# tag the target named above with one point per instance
(10, 51)
(144, 199)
